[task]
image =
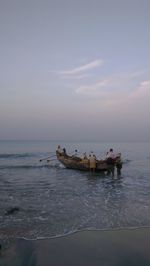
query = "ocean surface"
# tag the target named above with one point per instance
(53, 201)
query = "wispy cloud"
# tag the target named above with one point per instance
(96, 89)
(80, 76)
(143, 90)
(122, 94)
(77, 71)
(116, 84)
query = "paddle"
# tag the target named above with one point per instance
(53, 159)
(47, 158)
(44, 158)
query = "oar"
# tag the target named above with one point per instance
(53, 159)
(44, 158)
(52, 156)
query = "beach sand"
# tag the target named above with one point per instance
(86, 248)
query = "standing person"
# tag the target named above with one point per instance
(110, 154)
(92, 162)
(110, 160)
(118, 164)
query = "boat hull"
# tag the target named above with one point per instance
(76, 163)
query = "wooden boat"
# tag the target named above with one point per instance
(78, 163)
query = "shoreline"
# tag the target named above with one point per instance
(119, 247)
(8, 233)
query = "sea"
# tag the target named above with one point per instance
(50, 201)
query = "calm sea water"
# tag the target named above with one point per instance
(55, 201)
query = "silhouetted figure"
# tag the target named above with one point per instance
(110, 160)
(118, 164)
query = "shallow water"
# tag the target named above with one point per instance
(55, 201)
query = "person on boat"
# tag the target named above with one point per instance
(110, 160)
(85, 156)
(92, 162)
(75, 153)
(64, 151)
(85, 160)
(59, 150)
(76, 156)
(118, 163)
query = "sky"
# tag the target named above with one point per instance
(75, 70)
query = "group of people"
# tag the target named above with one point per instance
(61, 151)
(113, 160)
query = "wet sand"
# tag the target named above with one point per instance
(86, 248)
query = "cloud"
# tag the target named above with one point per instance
(75, 72)
(80, 76)
(143, 90)
(97, 89)
(136, 100)
(125, 93)
(129, 84)
(105, 87)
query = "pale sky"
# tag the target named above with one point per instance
(75, 70)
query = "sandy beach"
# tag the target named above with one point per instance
(86, 248)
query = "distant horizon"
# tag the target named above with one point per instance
(74, 140)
